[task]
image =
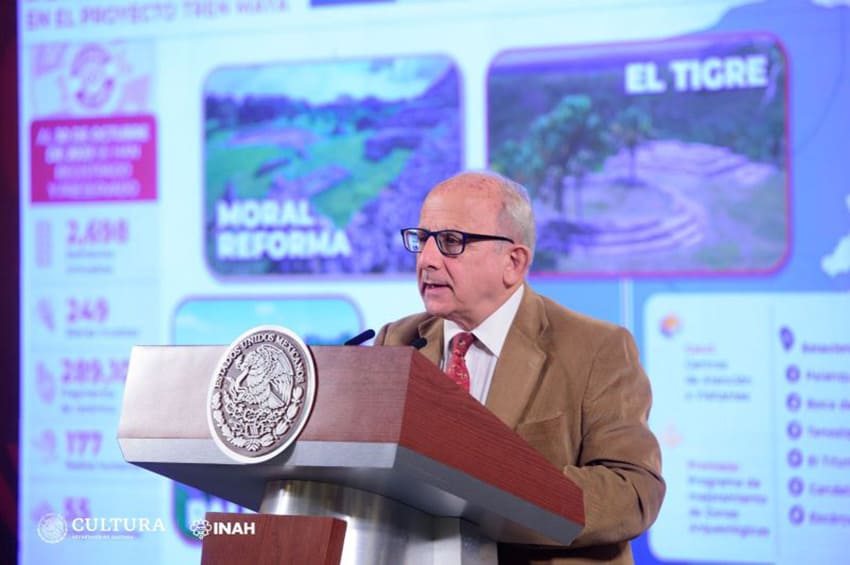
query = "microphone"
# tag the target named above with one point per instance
(419, 342)
(361, 337)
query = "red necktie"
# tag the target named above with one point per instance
(457, 370)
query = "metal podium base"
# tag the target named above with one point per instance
(380, 530)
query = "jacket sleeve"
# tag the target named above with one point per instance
(619, 464)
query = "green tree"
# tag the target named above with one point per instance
(558, 137)
(517, 160)
(581, 163)
(630, 128)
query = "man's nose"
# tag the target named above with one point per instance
(430, 255)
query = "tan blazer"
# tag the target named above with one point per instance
(573, 388)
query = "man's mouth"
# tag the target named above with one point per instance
(426, 286)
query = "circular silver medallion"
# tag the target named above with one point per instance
(52, 528)
(261, 394)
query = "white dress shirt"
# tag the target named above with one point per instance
(490, 336)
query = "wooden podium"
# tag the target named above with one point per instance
(396, 464)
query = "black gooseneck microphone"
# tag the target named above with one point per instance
(419, 342)
(361, 337)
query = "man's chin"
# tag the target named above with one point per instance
(436, 307)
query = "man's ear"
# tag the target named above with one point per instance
(518, 263)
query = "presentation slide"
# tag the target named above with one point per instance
(192, 169)
(769, 478)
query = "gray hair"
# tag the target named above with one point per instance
(517, 215)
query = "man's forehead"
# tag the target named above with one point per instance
(468, 189)
(460, 208)
(470, 182)
(462, 200)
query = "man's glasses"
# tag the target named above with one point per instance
(449, 242)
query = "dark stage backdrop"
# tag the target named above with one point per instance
(9, 326)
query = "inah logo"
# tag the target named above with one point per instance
(201, 528)
(52, 528)
(204, 528)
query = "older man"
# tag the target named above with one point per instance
(570, 385)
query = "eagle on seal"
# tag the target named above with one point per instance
(265, 377)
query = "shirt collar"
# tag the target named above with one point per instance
(493, 331)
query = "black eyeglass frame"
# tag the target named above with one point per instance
(464, 238)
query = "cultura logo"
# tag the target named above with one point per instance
(52, 528)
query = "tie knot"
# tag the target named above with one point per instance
(461, 343)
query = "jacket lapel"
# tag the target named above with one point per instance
(520, 365)
(432, 331)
